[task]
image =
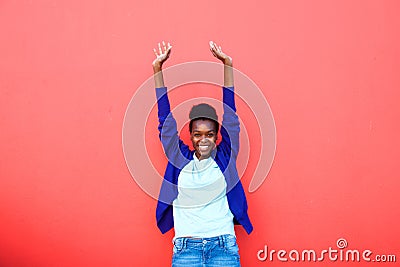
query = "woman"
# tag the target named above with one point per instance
(201, 195)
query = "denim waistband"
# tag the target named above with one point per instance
(195, 241)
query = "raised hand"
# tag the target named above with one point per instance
(218, 53)
(162, 54)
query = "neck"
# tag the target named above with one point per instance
(200, 157)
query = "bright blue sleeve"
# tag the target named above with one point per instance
(230, 123)
(175, 149)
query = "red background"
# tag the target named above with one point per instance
(69, 69)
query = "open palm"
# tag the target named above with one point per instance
(162, 54)
(218, 53)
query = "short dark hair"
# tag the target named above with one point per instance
(203, 111)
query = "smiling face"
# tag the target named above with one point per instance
(203, 136)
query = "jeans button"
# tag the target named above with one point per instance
(204, 241)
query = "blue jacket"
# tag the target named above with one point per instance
(179, 154)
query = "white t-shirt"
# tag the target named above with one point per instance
(201, 208)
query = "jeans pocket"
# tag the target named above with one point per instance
(231, 245)
(178, 246)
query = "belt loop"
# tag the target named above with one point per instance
(222, 241)
(184, 242)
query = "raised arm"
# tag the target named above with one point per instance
(230, 121)
(175, 149)
(226, 60)
(161, 56)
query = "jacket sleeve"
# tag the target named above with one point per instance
(230, 123)
(175, 149)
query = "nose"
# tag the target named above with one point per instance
(203, 138)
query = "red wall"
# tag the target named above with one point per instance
(68, 70)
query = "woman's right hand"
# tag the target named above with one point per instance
(161, 55)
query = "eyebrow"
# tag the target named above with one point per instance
(201, 131)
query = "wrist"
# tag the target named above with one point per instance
(157, 67)
(228, 61)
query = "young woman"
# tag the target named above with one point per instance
(201, 196)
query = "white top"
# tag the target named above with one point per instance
(201, 208)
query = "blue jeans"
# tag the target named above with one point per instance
(219, 251)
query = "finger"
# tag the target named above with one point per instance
(212, 51)
(220, 48)
(155, 52)
(165, 47)
(215, 45)
(215, 52)
(212, 44)
(159, 48)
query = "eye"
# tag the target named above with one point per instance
(210, 135)
(196, 135)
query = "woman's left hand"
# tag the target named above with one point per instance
(217, 52)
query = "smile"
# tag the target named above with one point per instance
(203, 147)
